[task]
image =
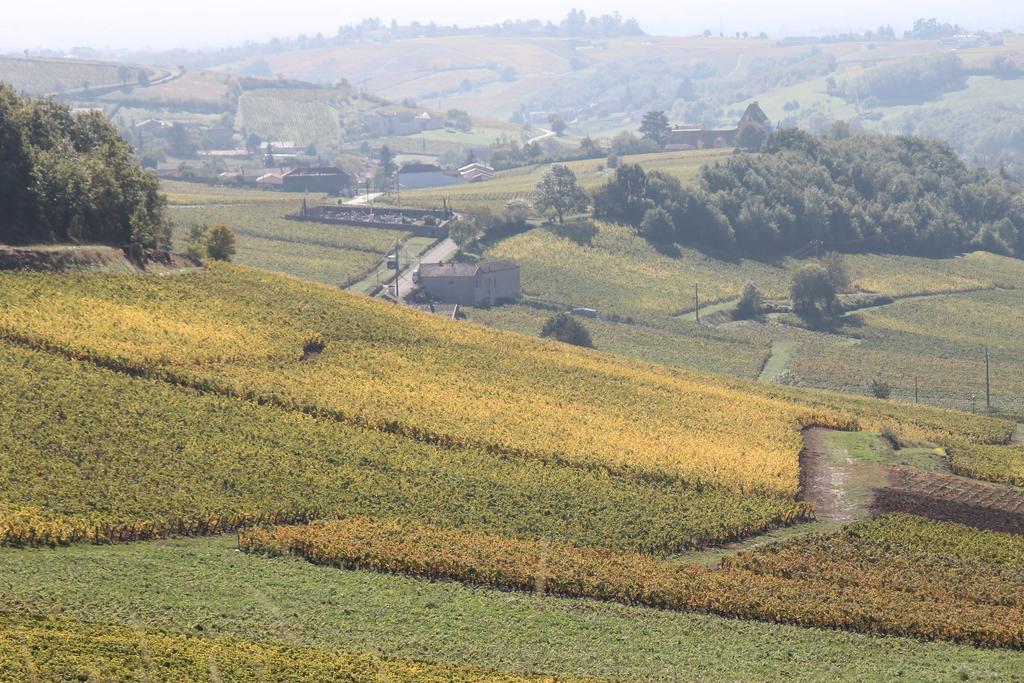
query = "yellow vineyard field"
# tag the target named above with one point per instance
(241, 333)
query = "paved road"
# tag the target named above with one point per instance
(363, 198)
(545, 135)
(441, 251)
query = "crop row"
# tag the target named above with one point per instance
(949, 563)
(65, 650)
(104, 457)
(911, 608)
(1001, 464)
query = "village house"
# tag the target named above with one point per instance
(476, 172)
(416, 175)
(400, 123)
(696, 136)
(470, 284)
(329, 179)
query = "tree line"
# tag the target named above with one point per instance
(848, 190)
(71, 178)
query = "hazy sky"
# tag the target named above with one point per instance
(61, 24)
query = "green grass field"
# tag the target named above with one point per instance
(206, 588)
(669, 342)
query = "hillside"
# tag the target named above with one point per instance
(146, 407)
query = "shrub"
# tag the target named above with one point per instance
(813, 292)
(220, 243)
(580, 230)
(657, 226)
(835, 264)
(567, 329)
(750, 304)
(880, 388)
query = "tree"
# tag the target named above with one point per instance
(567, 329)
(835, 264)
(558, 191)
(812, 291)
(253, 143)
(387, 161)
(72, 178)
(751, 303)
(589, 148)
(220, 242)
(464, 231)
(557, 124)
(657, 226)
(751, 136)
(655, 127)
(459, 120)
(196, 245)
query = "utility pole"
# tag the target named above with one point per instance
(696, 301)
(988, 386)
(916, 399)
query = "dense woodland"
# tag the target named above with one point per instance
(71, 178)
(851, 191)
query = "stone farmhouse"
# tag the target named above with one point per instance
(470, 284)
(696, 136)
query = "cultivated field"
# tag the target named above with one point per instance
(40, 76)
(190, 404)
(331, 254)
(266, 603)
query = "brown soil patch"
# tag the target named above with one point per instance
(62, 258)
(844, 489)
(840, 487)
(950, 498)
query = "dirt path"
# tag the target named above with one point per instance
(847, 487)
(779, 357)
(841, 487)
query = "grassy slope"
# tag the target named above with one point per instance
(550, 400)
(670, 342)
(39, 76)
(179, 585)
(622, 273)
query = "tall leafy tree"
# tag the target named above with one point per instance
(559, 192)
(67, 177)
(655, 127)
